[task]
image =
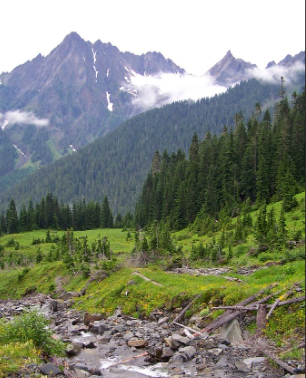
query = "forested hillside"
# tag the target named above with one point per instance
(257, 162)
(116, 165)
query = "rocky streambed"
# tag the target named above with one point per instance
(124, 347)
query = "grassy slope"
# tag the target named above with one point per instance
(137, 296)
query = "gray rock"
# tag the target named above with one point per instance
(232, 333)
(254, 361)
(73, 349)
(50, 370)
(242, 367)
(189, 352)
(181, 339)
(172, 343)
(167, 354)
(223, 362)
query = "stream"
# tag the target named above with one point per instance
(124, 347)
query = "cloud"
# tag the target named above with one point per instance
(273, 74)
(162, 89)
(25, 118)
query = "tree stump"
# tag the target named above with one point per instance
(261, 319)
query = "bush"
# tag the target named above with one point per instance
(293, 255)
(266, 256)
(31, 326)
(10, 243)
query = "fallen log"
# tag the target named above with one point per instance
(230, 314)
(275, 304)
(239, 308)
(147, 279)
(182, 313)
(252, 308)
(280, 363)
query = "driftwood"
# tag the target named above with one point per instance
(254, 308)
(182, 313)
(275, 304)
(147, 279)
(129, 359)
(185, 327)
(231, 315)
(280, 363)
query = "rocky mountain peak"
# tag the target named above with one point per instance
(230, 70)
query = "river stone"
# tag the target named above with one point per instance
(223, 362)
(90, 345)
(81, 373)
(181, 339)
(73, 349)
(167, 354)
(50, 370)
(189, 352)
(172, 343)
(254, 361)
(241, 367)
(137, 343)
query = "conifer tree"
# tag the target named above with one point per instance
(12, 218)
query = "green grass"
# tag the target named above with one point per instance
(19, 282)
(295, 221)
(17, 355)
(137, 297)
(117, 239)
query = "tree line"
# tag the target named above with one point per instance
(259, 161)
(49, 213)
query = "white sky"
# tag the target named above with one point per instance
(195, 34)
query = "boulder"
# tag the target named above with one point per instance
(232, 333)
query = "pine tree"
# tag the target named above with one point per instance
(106, 215)
(12, 218)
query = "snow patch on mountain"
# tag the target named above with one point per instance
(19, 150)
(110, 106)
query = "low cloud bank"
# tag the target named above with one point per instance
(163, 89)
(273, 74)
(155, 91)
(24, 118)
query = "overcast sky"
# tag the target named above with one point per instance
(195, 34)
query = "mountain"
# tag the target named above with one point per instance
(231, 70)
(53, 105)
(117, 164)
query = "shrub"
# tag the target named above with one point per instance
(31, 326)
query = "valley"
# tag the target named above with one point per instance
(152, 222)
